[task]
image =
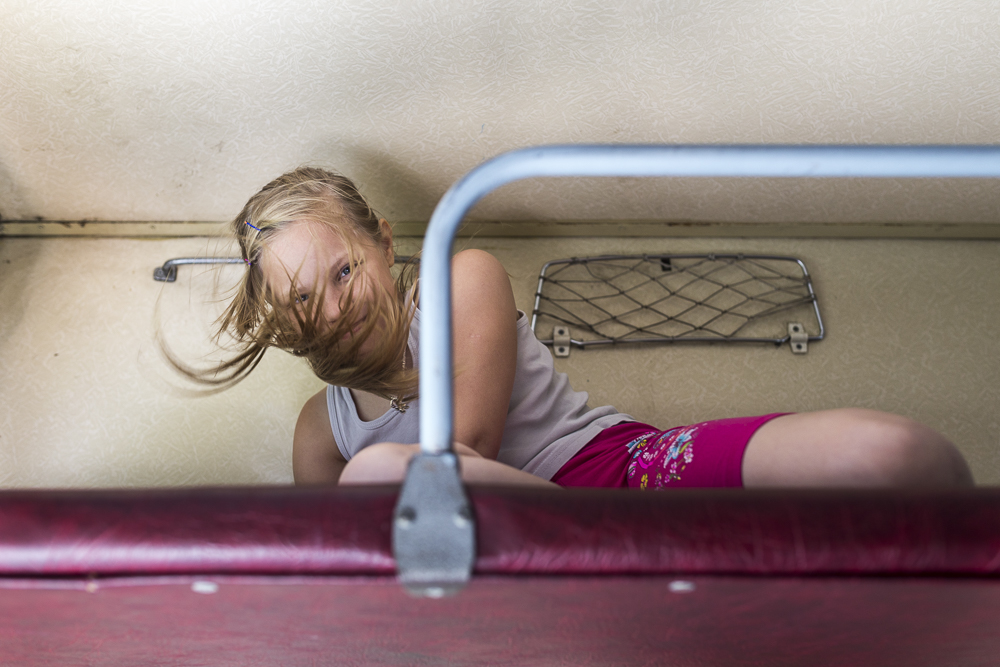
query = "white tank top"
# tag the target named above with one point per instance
(547, 421)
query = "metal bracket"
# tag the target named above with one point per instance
(560, 341)
(433, 529)
(165, 275)
(168, 272)
(798, 339)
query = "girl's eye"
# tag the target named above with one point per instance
(346, 271)
(301, 298)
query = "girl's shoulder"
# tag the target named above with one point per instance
(482, 297)
(478, 270)
(476, 260)
(475, 275)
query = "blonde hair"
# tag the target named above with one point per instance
(310, 194)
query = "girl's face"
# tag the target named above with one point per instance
(319, 262)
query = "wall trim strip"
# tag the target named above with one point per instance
(534, 228)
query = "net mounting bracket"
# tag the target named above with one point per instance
(798, 339)
(560, 341)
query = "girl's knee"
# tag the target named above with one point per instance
(897, 451)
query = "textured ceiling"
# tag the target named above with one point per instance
(179, 110)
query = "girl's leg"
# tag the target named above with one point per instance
(851, 448)
(386, 462)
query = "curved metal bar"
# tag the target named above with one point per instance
(436, 407)
(168, 272)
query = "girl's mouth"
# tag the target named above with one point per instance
(356, 329)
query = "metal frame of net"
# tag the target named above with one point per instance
(618, 299)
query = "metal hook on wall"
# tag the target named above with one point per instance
(168, 272)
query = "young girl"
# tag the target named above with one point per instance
(318, 284)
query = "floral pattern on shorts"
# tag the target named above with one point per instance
(660, 457)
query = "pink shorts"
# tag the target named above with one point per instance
(636, 455)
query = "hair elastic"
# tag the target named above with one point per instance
(249, 263)
(247, 223)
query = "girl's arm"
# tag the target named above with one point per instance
(316, 459)
(484, 325)
(386, 462)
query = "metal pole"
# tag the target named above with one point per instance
(433, 526)
(436, 401)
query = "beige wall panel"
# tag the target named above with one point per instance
(88, 402)
(158, 111)
(153, 111)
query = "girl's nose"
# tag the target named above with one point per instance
(331, 307)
